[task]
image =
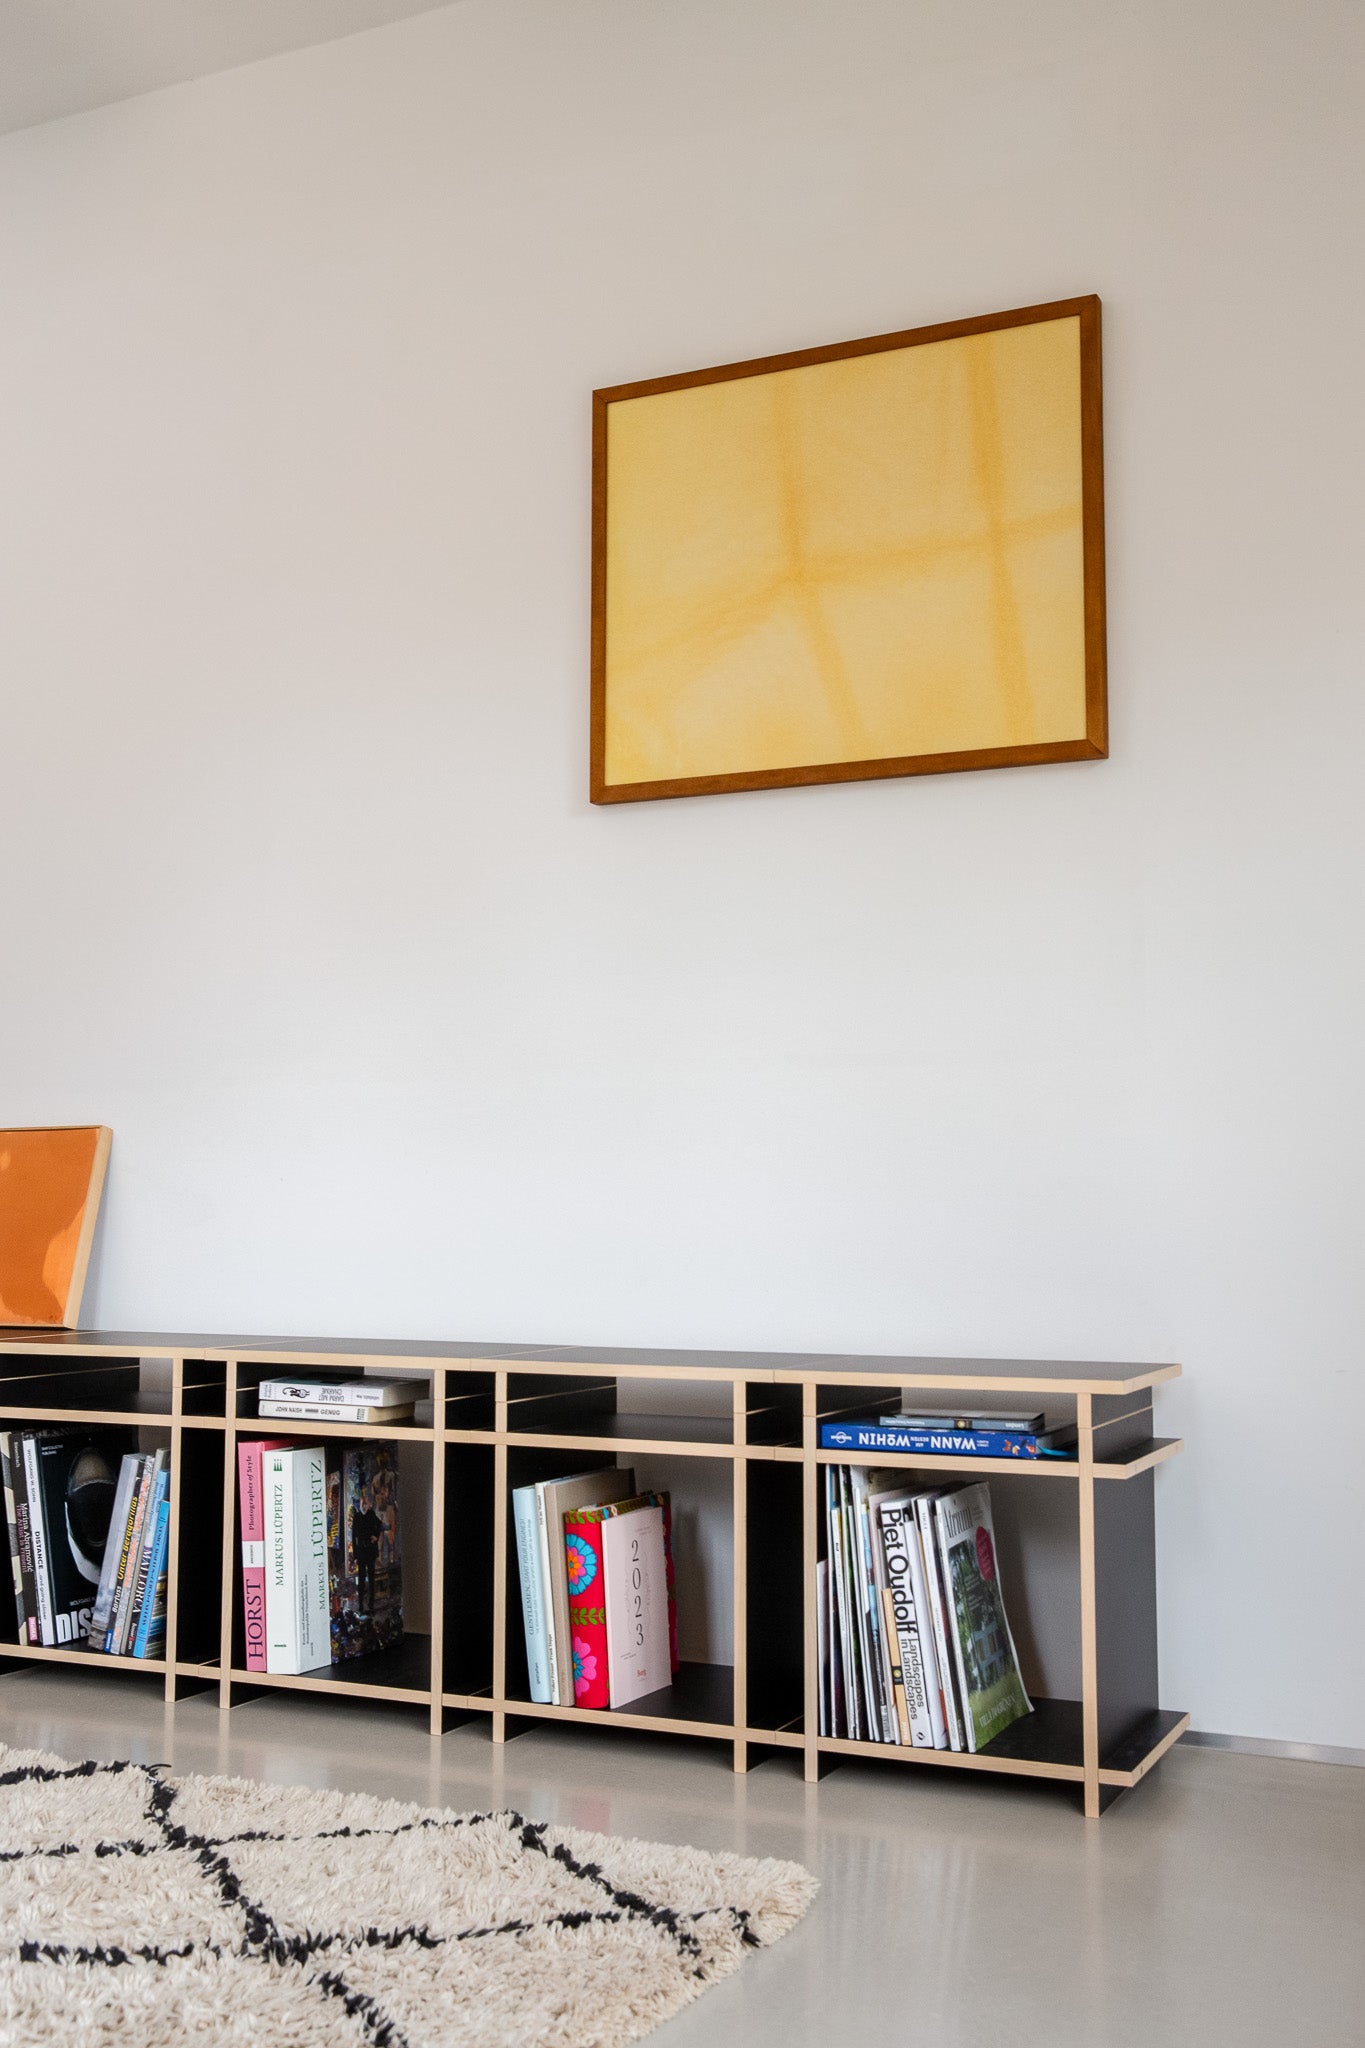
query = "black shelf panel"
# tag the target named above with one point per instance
(634, 1428)
(404, 1668)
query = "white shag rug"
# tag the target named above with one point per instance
(142, 1908)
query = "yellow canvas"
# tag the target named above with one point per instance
(877, 561)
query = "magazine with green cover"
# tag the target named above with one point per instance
(992, 1690)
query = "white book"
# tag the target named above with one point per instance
(37, 1532)
(334, 1411)
(852, 1716)
(635, 1596)
(531, 1564)
(924, 1517)
(359, 1392)
(297, 1617)
(881, 1703)
(900, 1552)
(118, 1522)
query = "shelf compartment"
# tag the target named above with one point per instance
(1045, 1744)
(61, 1653)
(401, 1673)
(467, 1571)
(698, 1436)
(1140, 1457)
(85, 1393)
(700, 1701)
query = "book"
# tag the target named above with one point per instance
(909, 1619)
(130, 1549)
(933, 1581)
(12, 1526)
(118, 1520)
(74, 1481)
(880, 1705)
(251, 1514)
(941, 1443)
(555, 1499)
(353, 1393)
(42, 1594)
(22, 1515)
(150, 1640)
(364, 1551)
(822, 1643)
(1019, 1421)
(897, 1674)
(156, 1492)
(297, 1606)
(123, 1541)
(333, 1411)
(992, 1690)
(587, 1630)
(530, 1568)
(635, 1596)
(853, 1724)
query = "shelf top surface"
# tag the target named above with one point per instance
(985, 1374)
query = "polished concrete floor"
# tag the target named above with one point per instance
(1222, 1902)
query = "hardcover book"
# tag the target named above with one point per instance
(294, 1490)
(991, 1688)
(635, 1578)
(251, 1510)
(529, 1566)
(555, 1499)
(364, 1547)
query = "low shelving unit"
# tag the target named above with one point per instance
(497, 1416)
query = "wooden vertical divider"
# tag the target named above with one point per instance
(229, 1533)
(499, 1555)
(810, 1550)
(438, 1546)
(173, 1486)
(740, 1545)
(1090, 1696)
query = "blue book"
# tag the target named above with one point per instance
(932, 1443)
(151, 1628)
(533, 1593)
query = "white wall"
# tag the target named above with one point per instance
(301, 889)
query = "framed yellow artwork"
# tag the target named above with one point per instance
(51, 1181)
(880, 558)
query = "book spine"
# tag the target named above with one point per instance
(924, 1509)
(253, 1553)
(548, 1541)
(346, 1393)
(666, 1503)
(330, 1411)
(116, 1641)
(527, 1524)
(104, 1594)
(927, 1443)
(843, 1592)
(281, 1577)
(151, 1628)
(881, 1703)
(310, 1551)
(42, 1584)
(12, 1526)
(587, 1609)
(23, 1514)
(822, 1641)
(155, 1494)
(891, 1637)
(897, 1535)
(933, 1684)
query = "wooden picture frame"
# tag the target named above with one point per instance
(866, 628)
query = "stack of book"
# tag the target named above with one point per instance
(322, 1565)
(914, 1642)
(597, 1592)
(88, 1524)
(358, 1400)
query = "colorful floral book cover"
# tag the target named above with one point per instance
(365, 1553)
(587, 1601)
(587, 1607)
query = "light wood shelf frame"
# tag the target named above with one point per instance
(1102, 1744)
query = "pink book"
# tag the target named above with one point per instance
(253, 1546)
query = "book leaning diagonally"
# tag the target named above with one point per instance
(991, 1688)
